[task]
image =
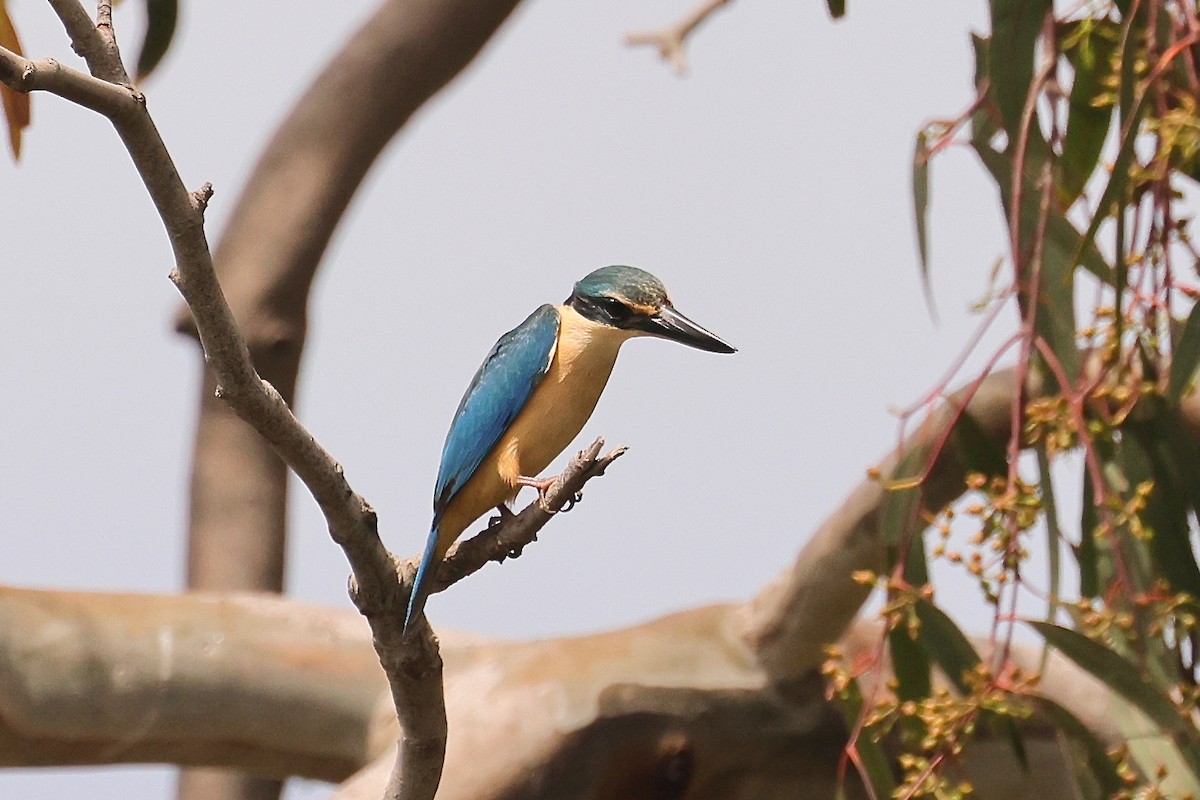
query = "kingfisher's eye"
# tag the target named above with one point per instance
(615, 308)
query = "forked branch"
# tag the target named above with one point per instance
(671, 41)
(413, 666)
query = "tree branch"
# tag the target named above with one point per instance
(23, 75)
(411, 778)
(269, 253)
(277, 688)
(671, 41)
(414, 672)
(95, 44)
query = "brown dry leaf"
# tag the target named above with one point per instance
(16, 104)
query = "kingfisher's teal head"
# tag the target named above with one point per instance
(632, 299)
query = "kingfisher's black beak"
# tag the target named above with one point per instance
(670, 324)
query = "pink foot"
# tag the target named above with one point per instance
(542, 485)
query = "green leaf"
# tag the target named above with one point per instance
(1012, 732)
(980, 453)
(1061, 250)
(1131, 35)
(1015, 28)
(1054, 537)
(902, 506)
(1095, 773)
(901, 509)
(1151, 750)
(1124, 678)
(920, 187)
(1186, 359)
(984, 118)
(909, 664)
(947, 645)
(837, 8)
(1113, 670)
(1087, 554)
(1167, 425)
(1087, 125)
(1056, 309)
(950, 649)
(916, 570)
(161, 16)
(1131, 116)
(1150, 450)
(1121, 555)
(875, 766)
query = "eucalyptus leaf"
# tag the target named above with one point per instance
(1087, 124)
(920, 188)
(1087, 553)
(871, 756)
(1131, 112)
(902, 501)
(947, 645)
(909, 664)
(15, 104)
(1096, 775)
(1055, 318)
(161, 18)
(1113, 670)
(1185, 361)
(952, 651)
(1148, 452)
(980, 452)
(1015, 28)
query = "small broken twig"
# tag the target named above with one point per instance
(672, 40)
(515, 531)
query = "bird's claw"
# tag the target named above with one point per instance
(503, 515)
(567, 506)
(516, 550)
(575, 499)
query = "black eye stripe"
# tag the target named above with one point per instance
(602, 308)
(614, 307)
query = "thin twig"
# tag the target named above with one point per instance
(98, 49)
(109, 99)
(672, 40)
(513, 533)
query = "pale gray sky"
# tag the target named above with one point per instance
(770, 190)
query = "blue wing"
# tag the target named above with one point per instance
(497, 394)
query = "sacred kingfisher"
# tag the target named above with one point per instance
(533, 394)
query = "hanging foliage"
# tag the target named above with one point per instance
(1085, 118)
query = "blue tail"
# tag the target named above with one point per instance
(421, 585)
